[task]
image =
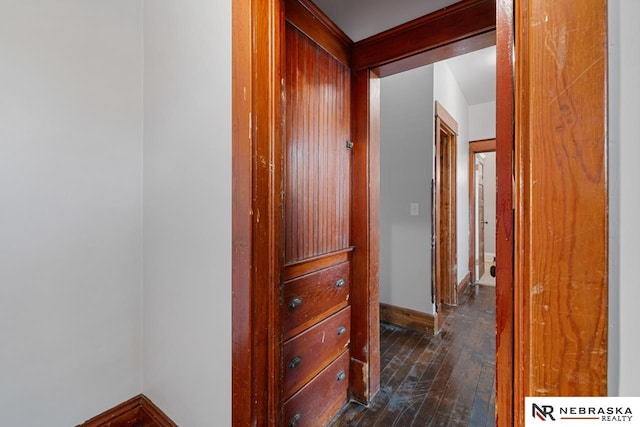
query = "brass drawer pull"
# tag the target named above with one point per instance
(295, 362)
(295, 303)
(341, 330)
(340, 283)
(340, 376)
(295, 420)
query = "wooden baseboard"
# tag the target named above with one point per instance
(410, 319)
(139, 411)
(466, 280)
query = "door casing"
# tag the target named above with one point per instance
(257, 90)
(475, 147)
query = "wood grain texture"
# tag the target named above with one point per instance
(242, 224)
(319, 295)
(446, 254)
(443, 380)
(317, 185)
(257, 210)
(464, 20)
(409, 319)
(365, 207)
(561, 214)
(311, 21)
(314, 349)
(309, 265)
(139, 411)
(506, 309)
(319, 400)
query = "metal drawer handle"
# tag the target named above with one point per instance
(295, 420)
(295, 362)
(340, 376)
(295, 303)
(340, 283)
(342, 330)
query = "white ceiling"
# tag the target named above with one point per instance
(363, 18)
(475, 72)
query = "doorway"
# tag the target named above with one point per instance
(258, 174)
(478, 220)
(445, 219)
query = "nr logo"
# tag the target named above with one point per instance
(543, 412)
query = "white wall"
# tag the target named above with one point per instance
(482, 121)
(70, 215)
(447, 93)
(406, 151)
(625, 203)
(187, 210)
(482, 125)
(490, 204)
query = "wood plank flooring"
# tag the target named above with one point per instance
(443, 380)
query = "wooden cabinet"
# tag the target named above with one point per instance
(316, 328)
(313, 297)
(315, 314)
(305, 355)
(321, 398)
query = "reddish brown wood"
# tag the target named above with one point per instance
(506, 385)
(436, 54)
(464, 20)
(320, 400)
(409, 319)
(446, 129)
(257, 176)
(317, 161)
(152, 416)
(365, 207)
(311, 21)
(300, 268)
(561, 194)
(241, 108)
(139, 411)
(320, 295)
(316, 348)
(475, 147)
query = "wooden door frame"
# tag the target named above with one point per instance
(445, 218)
(475, 147)
(581, 241)
(257, 141)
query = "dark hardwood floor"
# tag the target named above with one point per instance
(443, 380)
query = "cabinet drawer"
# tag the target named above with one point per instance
(308, 299)
(318, 401)
(308, 353)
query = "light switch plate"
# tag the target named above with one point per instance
(414, 209)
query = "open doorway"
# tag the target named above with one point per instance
(482, 212)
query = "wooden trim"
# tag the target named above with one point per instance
(365, 208)
(462, 286)
(138, 410)
(452, 25)
(256, 202)
(409, 319)
(480, 146)
(446, 253)
(300, 268)
(561, 265)
(506, 308)
(446, 117)
(311, 21)
(242, 191)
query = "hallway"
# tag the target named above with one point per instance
(446, 380)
